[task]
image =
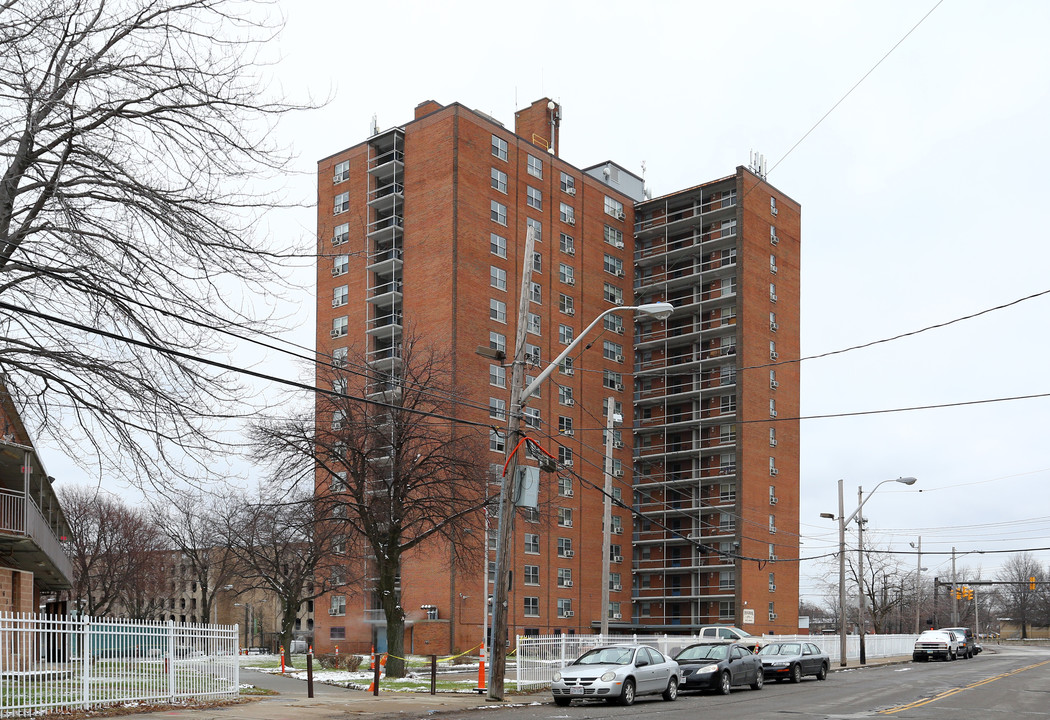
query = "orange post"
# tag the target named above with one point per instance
(282, 659)
(481, 669)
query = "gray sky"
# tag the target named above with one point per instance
(921, 196)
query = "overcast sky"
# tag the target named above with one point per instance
(922, 195)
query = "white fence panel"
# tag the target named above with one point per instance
(50, 663)
(539, 657)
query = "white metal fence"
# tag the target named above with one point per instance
(50, 663)
(539, 657)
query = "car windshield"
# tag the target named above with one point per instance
(606, 656)
(781, 649)
(703, 652)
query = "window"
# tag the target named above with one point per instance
(566, 274)
(532, 417)
(340, 296)
(342, 172)
(338, 547)
(338, 606)
(613, 294)
(566, 304)
(614, 237)
(773, 239)
(612, 380)
(613, 265)
(497, 443)
(565, 456)
(497, 408)
(531, 514)
(498, 245)
(565, 367)
(498, 341)
(532, 543)
(772, 350)
(564, 577)
(567, 244)
(497, 376)
(727, 404)
(772, 292)
(772, 408)
(532, 574)
(772, 206)
(532, 353)
(564, 607)
(565, 485)
(499, 147)
(340, 265)
(497, 277)
(568, 183)
(772, 437)
(568, 214)
(612, 351)
(532, 606)
(617, 409)
(565, 547)
(564, 517)
(614, 207)
(613, 323)
(498, 212)
(773, 264)
(499, 180)
(565, 334)
(535, 167)
(537, 229)
(338, 416)
(492, 573)
(772, 524)
(615, 553)
(534, 198)
(341, 234)
(341, 204)
(617, 529)
(340, 326)
(338, 481)
(533, 323)
(537, 262)
(497, 310)
(565, 395)
(336, 633)
(773, 321)
(536, 293)
(773, 384)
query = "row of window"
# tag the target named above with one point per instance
(534, 165)
(531, 608)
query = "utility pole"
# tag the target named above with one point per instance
(955, 600)
(610, 418)
(860, 574)
(842, 579)
(918, 587)
(501, 589)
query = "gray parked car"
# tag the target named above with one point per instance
(793, 660)
(617, 673)
(967, 643)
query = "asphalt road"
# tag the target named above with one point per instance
(1002, 682)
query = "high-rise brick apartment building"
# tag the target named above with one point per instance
(423, 227)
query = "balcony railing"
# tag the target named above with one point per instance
(18, 517)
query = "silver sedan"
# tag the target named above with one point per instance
(617, 673)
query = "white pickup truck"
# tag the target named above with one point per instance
(933, 644)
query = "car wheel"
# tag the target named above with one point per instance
(562, 702)
(823, 673)
(672, 689)
(951, 656)
(759, 681)
(796, 673)
(725, 684)
(627, 694)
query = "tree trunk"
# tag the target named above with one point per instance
(395, 620)
(287, 627)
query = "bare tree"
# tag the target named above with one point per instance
(1017, 599)
(285, 543)
(886, 588)
(398, 471)
(135, 143)
(113, 551)
(192, 526)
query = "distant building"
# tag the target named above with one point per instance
(424, 225)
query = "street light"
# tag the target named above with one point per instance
(843, 522)
(518, 397)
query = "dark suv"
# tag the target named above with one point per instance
(966, 640)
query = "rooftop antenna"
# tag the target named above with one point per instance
(758, 164)
(375, 124)
(552, 108)
(646, 192)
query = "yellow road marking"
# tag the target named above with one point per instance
(953, 691)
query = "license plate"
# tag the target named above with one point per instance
(576, 691)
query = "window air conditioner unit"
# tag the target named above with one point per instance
(772, 557)
(617, 558)
(773, 530)
(773, 384)
(617, 616)
(618, 244)
(336, 333)
(772, 616)
(568, 613)
(570, 281)
(773, 501)
(773, 471)
(772, 587)
(336, 271)
(570, 402)
(617, 530)
(617, 588)
(618, 444)
(773, 442)
(567, 463)
(568, 371)
(773, 326)
(571, 221)
(773, 269)
(567, 583)
(570, 311)
(772, 413)
(620, 358)
(621, 273)
(773, 239)
(570, 190)
(619, 387)
(568, 553)
(566, 524)
(338, 240)
(571, 251)
(619, 330)
(621, 215)
(618, 473)
(568, 433)
(773, 297)
(773, 355)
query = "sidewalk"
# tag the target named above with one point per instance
(331, 702)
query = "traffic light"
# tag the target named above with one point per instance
(1031, 583)
(958, 593)
(969, 593)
